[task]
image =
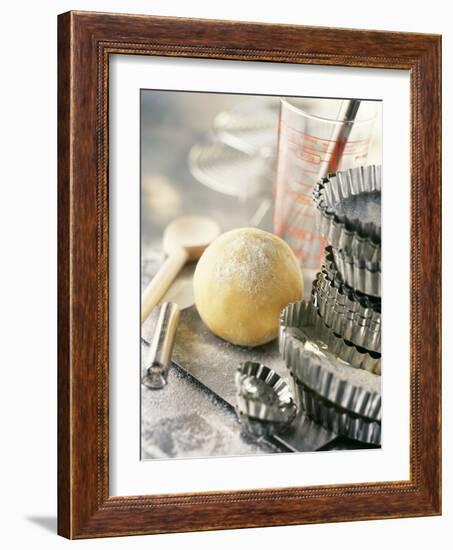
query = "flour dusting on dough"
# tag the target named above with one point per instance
(247, 259)
(242, 282)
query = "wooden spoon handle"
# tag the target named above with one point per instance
(162, 280)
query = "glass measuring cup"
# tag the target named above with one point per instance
(316, 137)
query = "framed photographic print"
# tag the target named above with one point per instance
(248, 215)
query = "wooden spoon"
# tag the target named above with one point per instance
(185, 240)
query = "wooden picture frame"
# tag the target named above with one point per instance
(85, 42)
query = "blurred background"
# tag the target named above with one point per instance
(186, 166)
(215, 154)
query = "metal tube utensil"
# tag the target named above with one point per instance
(159, 355)
(343, 136)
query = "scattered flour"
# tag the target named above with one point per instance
(248, 260)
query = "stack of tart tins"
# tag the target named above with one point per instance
(352, 315)
(332, 346)
(334, 379)
(349, 206)
(347, 292)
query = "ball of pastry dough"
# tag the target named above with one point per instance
(242, 282)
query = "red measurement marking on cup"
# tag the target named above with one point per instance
(299, 187)
(348, 150)
(356, 150)
(301, 234)
(309, 144)
(306, 156)
(304, 200)
(320, 139)
(315, 150)
(308, 171)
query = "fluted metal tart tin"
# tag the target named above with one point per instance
(313, 364)
(301, 324)
(355, 321)
(339, 420)
(329, 282)
(335, 381)
(343, 229)
(340, 398)
(353, 272)
(265, 405)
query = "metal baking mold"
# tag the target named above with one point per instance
(338, 420)
(353, 272)
(333, 306)
(356, 391)
(359, 239)
(265, 405)
(302, 330)
(330, 282)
